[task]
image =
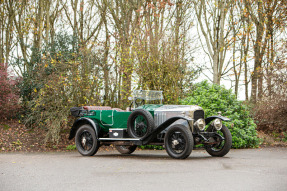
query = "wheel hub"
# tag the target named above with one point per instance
(140, 125)
(84, 140)
(175, 142)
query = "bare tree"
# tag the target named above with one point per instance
(6, 31)
(212, 17)
(124, 19)
(235, 24)
(258, 19)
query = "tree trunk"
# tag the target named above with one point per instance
(38, 30)
(47, 13)
(259, 49)
(106, 67)
(245, 52)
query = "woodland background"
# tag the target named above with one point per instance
(59, 54)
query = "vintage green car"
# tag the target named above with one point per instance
(148, 122)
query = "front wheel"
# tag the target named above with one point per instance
(126, 149)
(178, 141)
(86, 141)
(222, 147)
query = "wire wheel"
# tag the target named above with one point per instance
(220, 144)
(140, 126)
(140, 123)
(221, 147)
(86, 141)
(178, 141)
(126, 149)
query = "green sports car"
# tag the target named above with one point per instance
(148, 122)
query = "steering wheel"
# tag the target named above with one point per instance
(139, 101)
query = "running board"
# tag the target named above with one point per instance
(121, 141)
(118, 139)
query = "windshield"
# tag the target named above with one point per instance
(147, 94)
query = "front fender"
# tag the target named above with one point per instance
(163, 126)
(209, 119)
(82, 121)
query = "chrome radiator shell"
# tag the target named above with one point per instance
(165, 112)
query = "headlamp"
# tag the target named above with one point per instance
(217, 123)
(200, 124)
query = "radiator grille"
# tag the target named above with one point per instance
(159, 118)
(198, 114)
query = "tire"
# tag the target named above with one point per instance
(222, 148)
(178, 141)
(140, 123)
(126, 149)
(86, 141)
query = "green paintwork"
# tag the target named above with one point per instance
(109, 118)
(116, 119)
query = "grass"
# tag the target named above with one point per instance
(154, 147)
(71, 147)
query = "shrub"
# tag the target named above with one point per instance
(271, 110)
(8, 96)
(63, 81)
(270, 115)
(213, 99)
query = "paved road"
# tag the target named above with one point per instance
(249, 169)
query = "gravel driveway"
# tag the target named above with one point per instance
(247, 169)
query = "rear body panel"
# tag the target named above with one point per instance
(110, 119)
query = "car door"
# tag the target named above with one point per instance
(107, 117)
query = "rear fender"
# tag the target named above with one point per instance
(82, 121)
(209, 119)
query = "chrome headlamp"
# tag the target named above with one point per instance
(200, 124)
(217, 123)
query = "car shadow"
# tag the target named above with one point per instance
(155, 157)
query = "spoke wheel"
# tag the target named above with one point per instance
(140, 126)
(86, 141)
(222, 147)
(178, 141)
(140, 123)
(126, 149)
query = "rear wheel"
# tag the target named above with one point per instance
(126, 149)
(86, 141)
(178, 141)
(222, 147)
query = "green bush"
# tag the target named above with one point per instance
(214, 99)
